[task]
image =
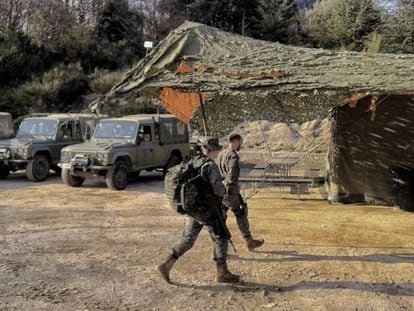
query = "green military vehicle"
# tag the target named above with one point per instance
(6, 125)
(123, 147)
(39, 141)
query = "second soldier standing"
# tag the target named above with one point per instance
(229, 164)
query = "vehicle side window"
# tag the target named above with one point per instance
(169, 126)
(65, 130)
(144, 133)
(180, 129)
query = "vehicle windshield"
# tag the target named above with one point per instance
(115, 130)
(37, 128)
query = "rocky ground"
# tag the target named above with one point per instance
(95, 249)
(264, 135)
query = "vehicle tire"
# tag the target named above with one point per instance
(71, 180)
(38, 168)
(117, 176)
(4, 172)
(172, 161)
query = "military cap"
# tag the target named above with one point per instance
(210, 143)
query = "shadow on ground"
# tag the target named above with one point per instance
(289, 256)
(403, 289)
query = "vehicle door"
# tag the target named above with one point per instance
(68, 133)
(161, 151)
(145, 146)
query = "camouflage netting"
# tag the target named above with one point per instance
(253, 79)
(229, 63)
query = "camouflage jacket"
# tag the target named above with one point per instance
(211, 175)
(229, 164)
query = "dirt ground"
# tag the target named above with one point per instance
(95, 249)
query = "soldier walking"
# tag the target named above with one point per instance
(210, 197)
(229, 165)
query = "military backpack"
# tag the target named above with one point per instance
(182, 184)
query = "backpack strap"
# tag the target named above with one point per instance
(203, 167)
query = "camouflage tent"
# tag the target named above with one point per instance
(366, 144)
(246, 79)
(258, 76)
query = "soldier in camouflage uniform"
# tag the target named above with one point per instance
(228, 161)
(212, 194)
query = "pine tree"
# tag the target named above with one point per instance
(118, 22)
(277, 20)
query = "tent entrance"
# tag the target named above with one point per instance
(365, 146)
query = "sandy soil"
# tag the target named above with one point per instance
(94, 249)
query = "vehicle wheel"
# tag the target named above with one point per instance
(4, 172)
(117, 176)
(71, 180)
(172, 161)
(38, 168)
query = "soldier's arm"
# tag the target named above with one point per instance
(233, 166)
(214, 178)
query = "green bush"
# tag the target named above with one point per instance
(103, 82)
(58, 90)
(342, 23)
(20, 59)
(373, 43)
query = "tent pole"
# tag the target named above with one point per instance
(203, 112)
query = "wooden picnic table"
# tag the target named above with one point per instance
(299, 185)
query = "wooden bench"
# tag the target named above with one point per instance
(313, 174)
(259, 170)
(299, 185)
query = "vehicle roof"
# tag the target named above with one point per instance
(62, 116)
(142, 117)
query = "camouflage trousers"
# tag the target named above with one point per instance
(191, 231)
(233, 202)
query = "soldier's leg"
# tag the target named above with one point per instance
(234, 202)
(191, 231)
(220, 256)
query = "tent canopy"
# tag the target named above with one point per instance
(254, 79)
(223, 62)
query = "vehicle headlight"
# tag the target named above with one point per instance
(22, 152)
(66, 156)
(103, 156)
(8, 154)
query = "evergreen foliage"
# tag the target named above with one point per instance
(56, 54)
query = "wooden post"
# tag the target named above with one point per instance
(203, 112)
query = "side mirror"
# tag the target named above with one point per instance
(87, 136)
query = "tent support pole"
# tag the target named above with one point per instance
(203, 112)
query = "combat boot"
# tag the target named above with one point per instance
(225, 276)
(166, 267)
(252, 243)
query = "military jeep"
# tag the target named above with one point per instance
(39, 141)
(123, 147)
(6, 125)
